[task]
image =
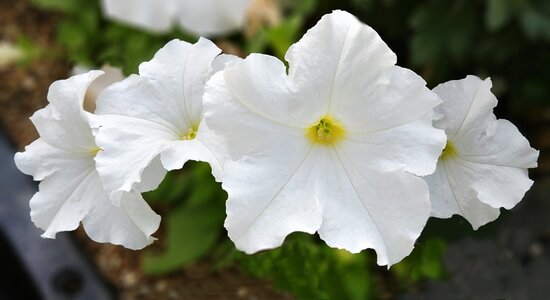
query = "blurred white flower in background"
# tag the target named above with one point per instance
(71, 191)
(484, 165)
(199, 17)
(331, 146)
(9, 54)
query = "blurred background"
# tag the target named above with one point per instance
(508, 40)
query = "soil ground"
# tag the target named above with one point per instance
(512, 263)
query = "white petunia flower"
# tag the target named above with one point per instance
(203, 18)
(71, 191)
(484, 165)
(152, 122)
(328, 147)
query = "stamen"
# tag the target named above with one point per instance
(448, 151)
(95, 151)
(191, 134)
(326, 131)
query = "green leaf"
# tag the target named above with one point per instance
(191, 233)
(498, 13)
(425, 262)
(302, 7)
(536, 24)
(310, 270)
(259, 43)
(31, 51)
(194, 224)
(305, 7)
(285, 34)
(58, 5)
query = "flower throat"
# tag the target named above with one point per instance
(327, 131)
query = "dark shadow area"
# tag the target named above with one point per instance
(34, 267)
(15, 282)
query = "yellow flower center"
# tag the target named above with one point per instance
(327, 131)
(448, 151)
(190, 134)
(95, 151)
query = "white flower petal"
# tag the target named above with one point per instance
(156, 16)
(63, 201)
(130, 147)
(71, 190)
(341, 72)
(169, 89)
(63, 123)
(72, 193)
(261, 84)
(272, 189)
(66, 198)
(212, 17)
(65, 135)
(174, 157)
(497, 186)
(222, 60)
(41, 159)
(143, 116)
(368, 209)
(337, 58)
(413, 147)
(393, 129)
(402, 98)
(222, 109)
(468, 104)
(179, 72)
(65, 195)
(202, 18)
(136, 97)
(500, 144)
(474, 130)
(51, 125)
(486, 168)
(261, 213)
(151, 176)
(111, 75)
(130, 225)
(450, 194)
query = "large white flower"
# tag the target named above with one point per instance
(152, 122)
(71, 191)
(200, 17)
(484, 165)
(328, 147)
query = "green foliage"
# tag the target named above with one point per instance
(277, 39)
(451, 36)
(90, 40)
(30, 50)
(309, 270)
(444, 40)
(425, 262)
(194, 220)
(531, 15)
(58, 5)
(500, 12)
